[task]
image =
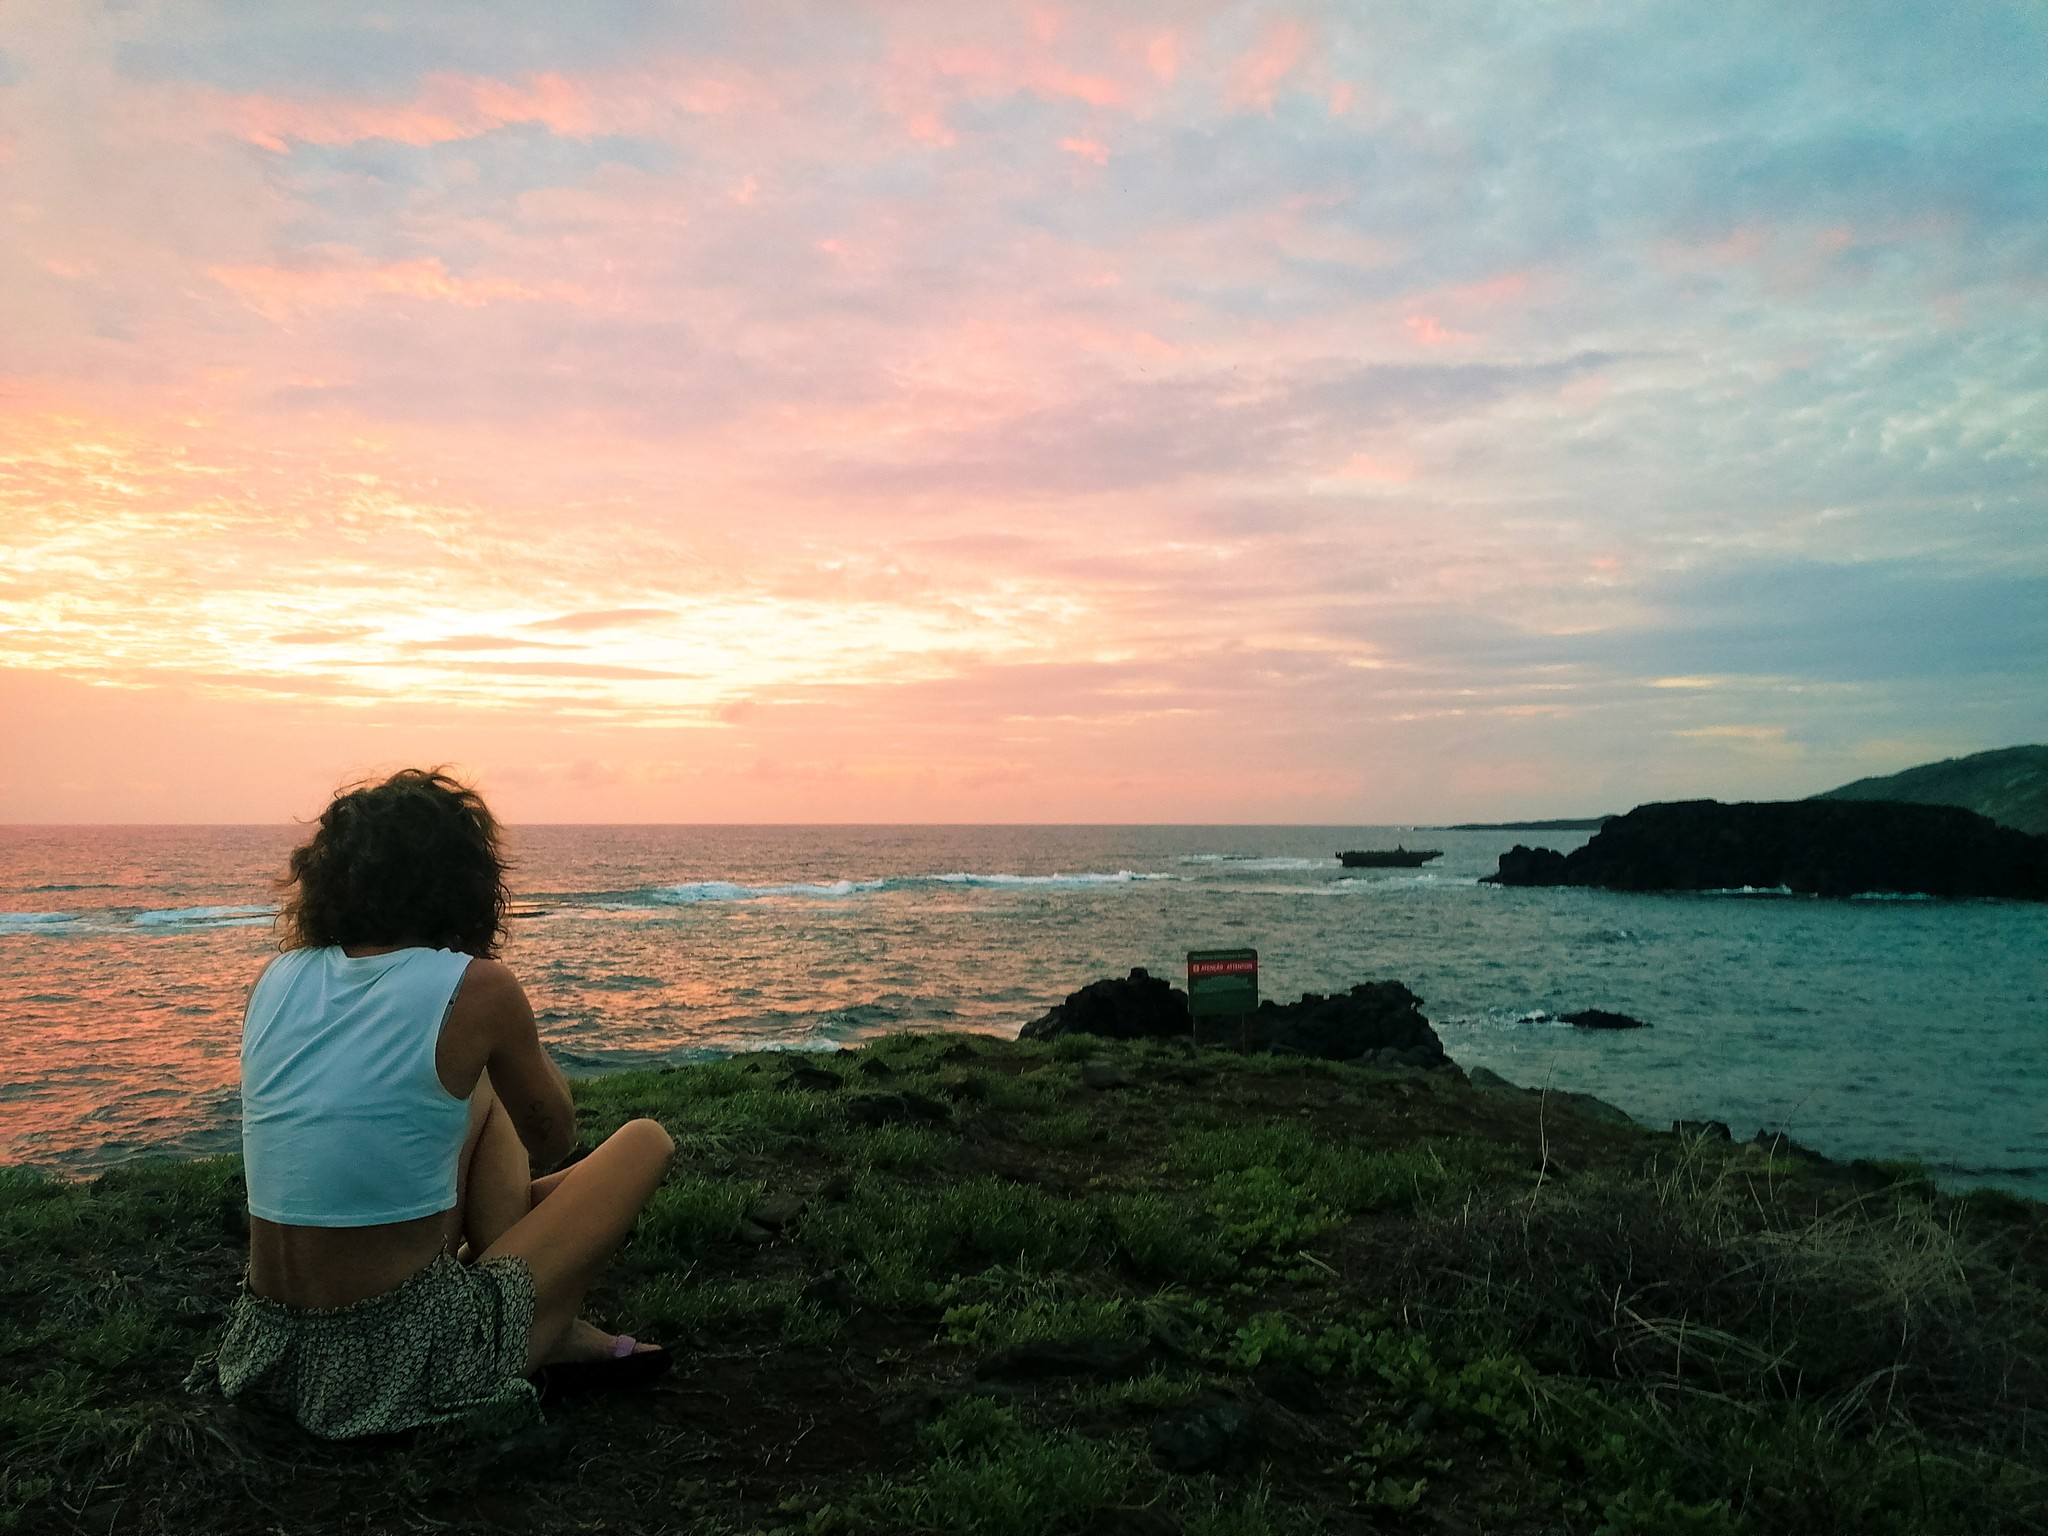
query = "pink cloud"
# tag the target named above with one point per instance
(449, 107)
(1162, 56)
(1365, 466)
(1259, 73)
(1491, 291)
(998, 73)
(1087, 149)
(1431, 332)
(280, 291)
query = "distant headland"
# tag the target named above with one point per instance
(2009, 785)
(1557, 824)
(1815, 847)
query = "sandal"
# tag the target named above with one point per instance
(629, 1366)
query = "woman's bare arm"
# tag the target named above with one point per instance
(491, 1027)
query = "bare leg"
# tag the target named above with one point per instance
(546, 1185)
(568, 1239)
(493, 1177)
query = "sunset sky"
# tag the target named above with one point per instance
(1122, 412)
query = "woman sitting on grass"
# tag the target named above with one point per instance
(405, 1267)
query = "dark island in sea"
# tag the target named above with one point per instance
(1816, 847)
(1387, 858)
(1086, 1286)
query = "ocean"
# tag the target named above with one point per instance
(1895, 1028)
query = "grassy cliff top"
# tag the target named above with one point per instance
(952, 1284)
(2009, 785)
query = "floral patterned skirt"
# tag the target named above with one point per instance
(448, 1343)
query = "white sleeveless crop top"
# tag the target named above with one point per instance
(344, 1120)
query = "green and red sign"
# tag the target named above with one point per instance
(1222, 982)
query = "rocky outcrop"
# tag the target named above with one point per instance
(1817, 847)
(1379, 1023)
(1140, 1006)
(1523, 865)
(1602, 1018)
(1579, 1103)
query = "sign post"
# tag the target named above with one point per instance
(1222, 983)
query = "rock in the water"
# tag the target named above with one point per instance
(1600, 1018)
(1139, 1007)
(1523, 865)
(1817, 847)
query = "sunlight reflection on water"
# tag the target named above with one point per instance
(1866, 1028)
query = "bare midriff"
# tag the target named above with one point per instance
(337, 1266)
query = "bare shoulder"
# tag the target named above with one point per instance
(489, 1012)
(487, 984)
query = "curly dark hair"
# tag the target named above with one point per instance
(413, 860)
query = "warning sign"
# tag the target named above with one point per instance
(1222, 982)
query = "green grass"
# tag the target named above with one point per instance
(1652, 1337)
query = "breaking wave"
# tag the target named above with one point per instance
(204, 917)
(35, 922)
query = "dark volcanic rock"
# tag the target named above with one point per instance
(1523, 865)
(1379, 1021)
(1778, 1144)
(1140, 1007)
(1593, 1109)
(1373, 1016)
(1819, 847)
(1213, 1436)
(1600, 1018)
(1104, 1075)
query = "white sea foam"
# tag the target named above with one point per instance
(691, 892)
(35, 922)
(205, 917)
(1121, 877)
(1750, 890)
